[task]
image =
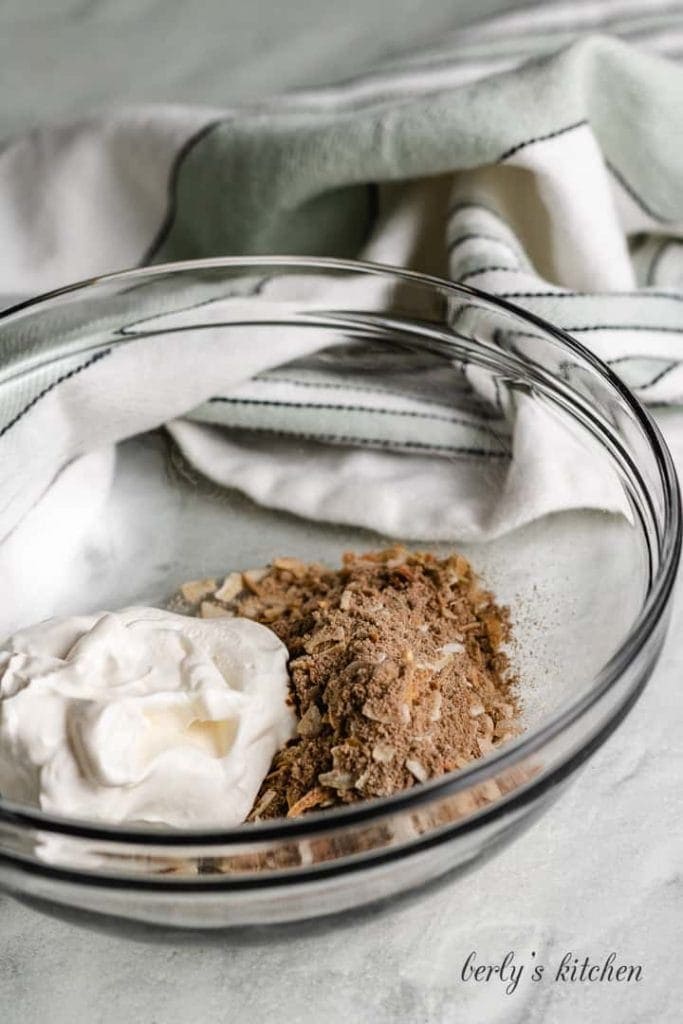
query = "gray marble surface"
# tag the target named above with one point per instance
(600, 872)
(86, 54)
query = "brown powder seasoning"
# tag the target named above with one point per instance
(397, 665)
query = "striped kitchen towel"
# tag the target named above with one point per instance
(538, 155)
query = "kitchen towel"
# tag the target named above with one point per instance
(538, 155)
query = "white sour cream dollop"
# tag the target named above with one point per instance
(142, 715)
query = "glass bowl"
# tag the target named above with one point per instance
(423, 412)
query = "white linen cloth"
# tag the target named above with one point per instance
(529, 177)
(488, 235)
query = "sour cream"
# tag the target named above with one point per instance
(141, 716)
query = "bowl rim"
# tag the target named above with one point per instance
(482, 769)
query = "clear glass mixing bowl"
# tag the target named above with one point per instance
(480, 427)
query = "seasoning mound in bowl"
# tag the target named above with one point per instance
(398, 671)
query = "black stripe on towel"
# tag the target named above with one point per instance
(408, 413)
(374, 442)
(164, 229)
(55, 383)
(541, 138)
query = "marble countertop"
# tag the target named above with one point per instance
(599, 873)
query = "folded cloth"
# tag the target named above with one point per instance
(524, 156)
